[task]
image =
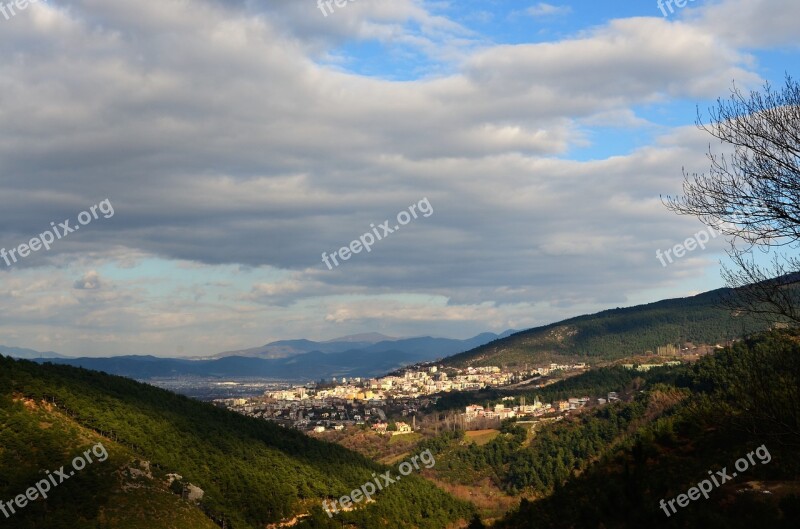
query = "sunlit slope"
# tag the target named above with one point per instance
(120, 492)
(252, 472)
(617, 333)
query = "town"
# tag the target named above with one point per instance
(389, 403)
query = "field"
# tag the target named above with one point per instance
(481, 437)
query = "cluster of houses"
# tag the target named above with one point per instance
(500, 411)
(648, 367)
(401, 428)
(414, 383)
(357, 400)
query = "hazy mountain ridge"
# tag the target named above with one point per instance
(323, 360)
(27, 354)
(307, 366)
(373, 342)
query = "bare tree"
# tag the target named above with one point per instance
(752, 196)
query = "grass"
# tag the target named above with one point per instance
(481, 437)
(407, 438)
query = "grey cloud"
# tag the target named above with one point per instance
(89, 281)
(220, 138)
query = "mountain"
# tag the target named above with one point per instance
(287, 348)
(426, 347)
(27, 354)
(298, 360)
(252, 472)
(618, 333)
(435, 347)
(733, 415)
(367, 337)
(614, 465)
(607, 335)
(306, 366)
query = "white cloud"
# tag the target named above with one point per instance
(755, 24)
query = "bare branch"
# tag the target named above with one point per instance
(752, 195)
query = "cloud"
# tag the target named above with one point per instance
(89, 281)
(226, 138)
(753, 24)
(543, 9)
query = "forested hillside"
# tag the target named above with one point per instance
(549, 458)
(740, 401)
(116, 492)
(252, 472)
(617, 333)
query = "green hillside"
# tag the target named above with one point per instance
(111, 493)
(609, 467)
(617, 333)
(252, 472)
(740, 402)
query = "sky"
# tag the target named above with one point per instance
(227, 146)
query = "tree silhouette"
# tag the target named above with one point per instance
(752, 196)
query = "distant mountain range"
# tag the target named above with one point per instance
(27, 354)
(372, 342)
(608, 335)
(365, 355)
